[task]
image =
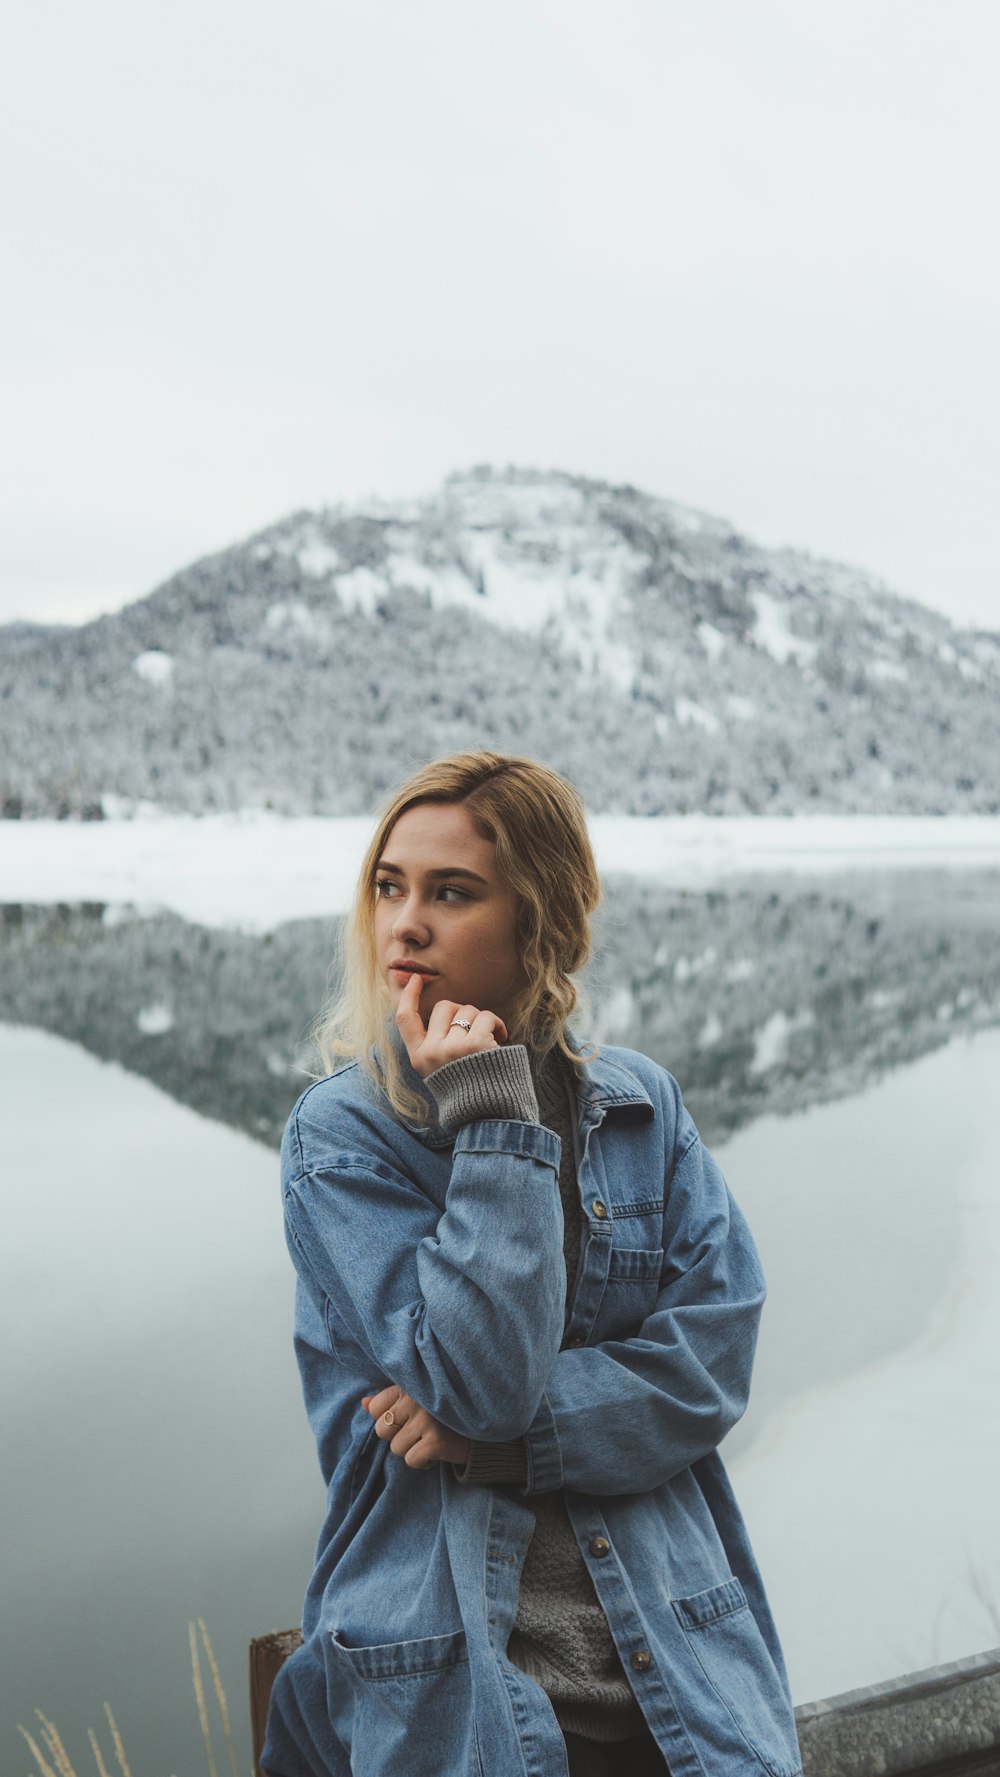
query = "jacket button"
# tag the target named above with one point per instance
(641, 1661)
(600, 1546)
(598, 1209)
(577, 1339)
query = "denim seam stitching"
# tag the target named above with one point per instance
(414, 1671)
(720, 1616)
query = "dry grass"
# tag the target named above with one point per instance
(52, 1759)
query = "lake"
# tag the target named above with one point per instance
(837, 1038)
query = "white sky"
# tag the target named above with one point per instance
(269, 255)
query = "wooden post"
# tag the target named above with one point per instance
(268, 1654)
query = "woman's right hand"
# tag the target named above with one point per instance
(416, 1436)
(440, 1040)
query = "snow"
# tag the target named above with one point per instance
(580, 604)
(697, 848)
(253, 871)
(687, 966)
(712, 640)
(518, 594)
(742, 969)
(155, 666)
(593, 608)
(154, 1021)
(293, 616)
(772, 1039)
(771, 631)
(361, 590)
(405, 570)
(686, 518)
(318, 559)
(887, 669)
(743, 708)
(249, 872)
(617, 1016)
(692, 715)
(881, 998)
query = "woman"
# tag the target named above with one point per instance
(526, 1315)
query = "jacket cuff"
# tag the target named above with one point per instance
(494, 1084)
(544, 1451)
(494, 1462)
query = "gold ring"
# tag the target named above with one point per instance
(389, 1416)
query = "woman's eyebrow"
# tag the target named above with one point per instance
(436, 875)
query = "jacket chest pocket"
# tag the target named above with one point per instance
(412, 1706)
(630, 1291)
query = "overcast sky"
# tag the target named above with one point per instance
(263, 256)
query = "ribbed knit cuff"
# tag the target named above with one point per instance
(494, 1462)
(491, 1083)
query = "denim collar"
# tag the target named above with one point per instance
(608, 1085)
(602, 1085)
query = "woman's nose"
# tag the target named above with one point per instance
(410, 923)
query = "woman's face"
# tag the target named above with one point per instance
(444, 909)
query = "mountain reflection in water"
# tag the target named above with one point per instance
(759, 996)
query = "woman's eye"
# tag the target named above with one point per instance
(449, 890)
(383, 886)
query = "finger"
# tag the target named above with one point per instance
(407, 1437)
(490, 1025)
(456, 1033)
(386, 1430)
(411, 1026)
(418, 1457)
(441, 1017)
(386, 1397)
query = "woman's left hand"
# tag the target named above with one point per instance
(416, 1436)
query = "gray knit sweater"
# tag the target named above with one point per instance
(561, 1636)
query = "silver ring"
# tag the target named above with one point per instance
(463, 1024)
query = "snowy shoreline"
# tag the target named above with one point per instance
(254, 871)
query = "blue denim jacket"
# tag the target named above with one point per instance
(438, 1265)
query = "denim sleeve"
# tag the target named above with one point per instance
(463, 1310)
(626, 1415)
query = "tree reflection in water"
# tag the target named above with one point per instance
(760, 996)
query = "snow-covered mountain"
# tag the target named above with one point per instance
(661, 659)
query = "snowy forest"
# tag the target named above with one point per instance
(662, 660)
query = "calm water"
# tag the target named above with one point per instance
(839, 1046)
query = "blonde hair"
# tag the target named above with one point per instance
(536, 821)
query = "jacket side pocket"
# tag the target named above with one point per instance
(750, 1698)
(413, 1705)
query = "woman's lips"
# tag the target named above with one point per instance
(412, 969)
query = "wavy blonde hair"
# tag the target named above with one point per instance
(536, 821)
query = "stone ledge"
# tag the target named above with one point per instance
(942, 1720)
